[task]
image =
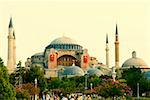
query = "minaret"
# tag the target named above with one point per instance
(117, 49)
(107, 51)
(14, 47)
(10, 60)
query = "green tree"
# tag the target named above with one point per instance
(20, 74)
(7, 91)
(36, 72)
(134, 76)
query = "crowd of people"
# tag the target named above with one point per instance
(66, 97)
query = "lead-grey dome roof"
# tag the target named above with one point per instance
(95, 71)
(72, 71)
(64, 43)
(63, 40)
(135, 61)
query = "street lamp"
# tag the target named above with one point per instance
(35, 98)
(91, 86)
(113, 73)
(138, 91)
(86, 74)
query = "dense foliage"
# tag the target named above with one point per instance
(26, 90)
(73, 84)
(7, 91)
(110, 88)
(24, 75)
(134, 76)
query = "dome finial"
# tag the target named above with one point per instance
(133, 54)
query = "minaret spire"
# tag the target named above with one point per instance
(106, 38)
(10, 23)
(107, 51)
(116, 49)
(117, 39)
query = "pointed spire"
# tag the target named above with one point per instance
(14, 34)
(106, 38)
(116, 30)
(10, 23)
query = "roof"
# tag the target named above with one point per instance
(63, 40)
(135, 61)
(95, 71)
(71, 71)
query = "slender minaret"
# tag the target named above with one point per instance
(10, 60)
(107, 51)
(14, 47)
(117, 49)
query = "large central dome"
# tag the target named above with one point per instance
(64, 43)
(63, 40)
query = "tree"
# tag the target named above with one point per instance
(134, 76)
(7, 91)
(109, 88)
(20, 74)
(38, 73)
(26, 91)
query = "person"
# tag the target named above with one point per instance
(64, 97)
(43, 96)
(47, 97)
(88, 97)
(79, 97)
(72, 98)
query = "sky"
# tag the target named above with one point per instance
(38, 22)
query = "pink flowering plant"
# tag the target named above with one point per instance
(110, 88)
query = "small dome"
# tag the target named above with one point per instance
(64, 40)
(72, 71)
(134, 61)
(95, 71)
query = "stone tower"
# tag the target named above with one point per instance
(116, 49)
(11, 60)
(107, 51)
(14, 48)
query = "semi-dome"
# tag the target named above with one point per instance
(64, 43)
(134, 61)
(63, 40)
(95, 71)
(71, 71)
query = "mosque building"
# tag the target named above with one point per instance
(66, 57)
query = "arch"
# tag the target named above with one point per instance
(66, 60)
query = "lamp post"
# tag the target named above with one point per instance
(91, 86)
(35, 98)
(113, 74)
(138, 91)
(86, 80)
